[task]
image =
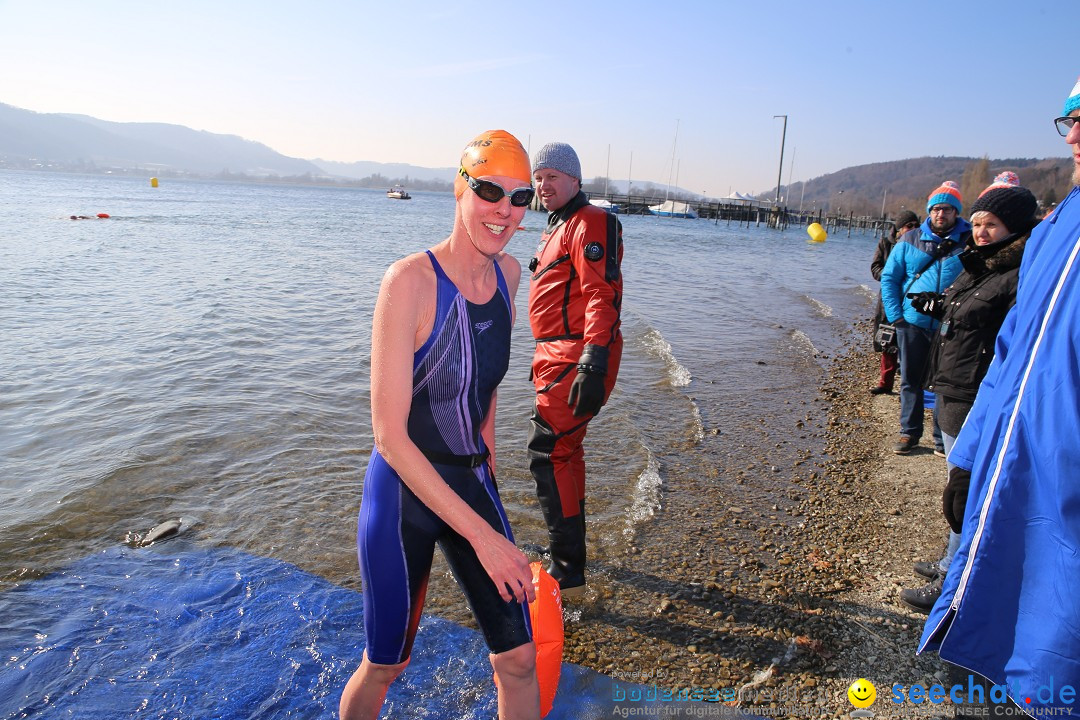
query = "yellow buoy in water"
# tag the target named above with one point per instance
(816, 232)
(153, 182)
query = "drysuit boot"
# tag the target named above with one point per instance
(567, 537)
(565, 533)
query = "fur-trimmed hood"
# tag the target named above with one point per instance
(977, 260)
(1007, 257)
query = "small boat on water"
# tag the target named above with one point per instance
(607, 205)
(673, 208)
(398, 193)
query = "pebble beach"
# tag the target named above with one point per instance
(794, 601)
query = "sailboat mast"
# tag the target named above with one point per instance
(607, 172)
(671, 167)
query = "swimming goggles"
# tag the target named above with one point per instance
(494, 192)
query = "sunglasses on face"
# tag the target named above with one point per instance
(1064, 124)
(908, 226)
(494, 192)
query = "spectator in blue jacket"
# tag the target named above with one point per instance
(924, 260)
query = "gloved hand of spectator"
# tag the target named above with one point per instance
(928, 303)
(586, 393)
(954, 498)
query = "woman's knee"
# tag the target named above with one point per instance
(519, 662)
(383, 674)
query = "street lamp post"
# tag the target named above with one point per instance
(780, 174)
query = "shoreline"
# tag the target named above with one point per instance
(793, 602)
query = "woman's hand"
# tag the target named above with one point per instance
(507, 566)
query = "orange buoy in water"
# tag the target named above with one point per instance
(545, 613)
(103, 216)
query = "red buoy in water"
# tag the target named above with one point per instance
(103, 215)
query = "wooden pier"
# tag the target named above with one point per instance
(744, 213)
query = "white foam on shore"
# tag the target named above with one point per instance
(821, 308)
(655, 343)
(697, 424)
(646, 495)
(803, 342)
(870, 293)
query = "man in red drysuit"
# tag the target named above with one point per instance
(575, 300)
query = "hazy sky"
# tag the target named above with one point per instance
(861, 81)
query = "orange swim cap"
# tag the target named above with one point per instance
(495, 152)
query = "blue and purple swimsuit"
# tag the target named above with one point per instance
(455, 373)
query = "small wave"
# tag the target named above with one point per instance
(822, 309)
(697, 425)
(802, 341)
(869, 292)
(646, 495)
(656, 344)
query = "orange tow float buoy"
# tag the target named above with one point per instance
(103, 216)
(547, 622)
(547, 625)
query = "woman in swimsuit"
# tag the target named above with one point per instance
(440, 345)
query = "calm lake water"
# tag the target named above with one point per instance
(203, 354)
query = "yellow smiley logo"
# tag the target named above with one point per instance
(862, 693)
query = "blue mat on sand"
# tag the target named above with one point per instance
(179, 631)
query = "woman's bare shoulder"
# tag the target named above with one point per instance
(412, 271)
(511, 268)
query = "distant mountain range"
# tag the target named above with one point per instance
(79, 143)
(395, 171)
(82, 143)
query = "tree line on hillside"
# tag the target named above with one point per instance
(905, 184)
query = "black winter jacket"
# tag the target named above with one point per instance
(976, 305)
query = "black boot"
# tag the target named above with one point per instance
(568, 554)
(566, 536)
(923, 599)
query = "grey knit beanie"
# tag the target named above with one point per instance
(558, 156)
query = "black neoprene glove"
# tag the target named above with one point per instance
(586, 393)
(928, 303)
(587, 390)
(954, 498)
